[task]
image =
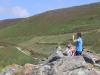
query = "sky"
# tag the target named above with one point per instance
(10, 9)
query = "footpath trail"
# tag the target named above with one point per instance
(24, 52)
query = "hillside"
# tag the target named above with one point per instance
(68, 21)
(10, 55)
(85, 18)
(60, 21)
(9, 22)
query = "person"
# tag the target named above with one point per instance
(72, 51)
(79, 43)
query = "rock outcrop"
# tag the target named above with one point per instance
(59, 62)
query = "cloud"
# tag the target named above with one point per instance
(2, 9)
(19, 11)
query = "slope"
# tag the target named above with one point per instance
(9, 22)
(60, 21)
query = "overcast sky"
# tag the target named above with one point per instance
(25, 8)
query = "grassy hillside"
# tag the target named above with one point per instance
(9, 22)
(74, 19)
(10, 55)
(61, 21)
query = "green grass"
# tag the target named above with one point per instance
(10, 55)
(45, 44)
(8, 22)
(17, 40)
(91, 38)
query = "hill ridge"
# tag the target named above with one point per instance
(58, 21)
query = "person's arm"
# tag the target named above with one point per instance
(74, 40)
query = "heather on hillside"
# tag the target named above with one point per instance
(9, 22)
(60, 21)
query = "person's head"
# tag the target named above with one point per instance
(78, 35)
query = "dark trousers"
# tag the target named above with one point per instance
(78, 53)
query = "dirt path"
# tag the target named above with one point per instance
(24, 52)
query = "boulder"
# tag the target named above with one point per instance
(70, 63)
(9, 70)
(56, 54)
(88, 58)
